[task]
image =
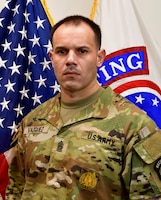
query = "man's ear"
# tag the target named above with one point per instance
(101, 57)
(51, 54)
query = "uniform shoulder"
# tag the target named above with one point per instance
(113, 97)
(43, 109)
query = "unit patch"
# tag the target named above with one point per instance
(157, 167)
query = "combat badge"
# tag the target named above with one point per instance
(157, 167)
(88, 180)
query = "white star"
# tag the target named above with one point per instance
(35, 41)
(15, 68)
(2, 63)
(1, 120)
(15, 10)
(48, 46)
(36, 99)
(1, 19)
(0, 80)
(19, 50)
(56, 87)
(28, 75)
(26, 15)
(13, 127)
(6, 4)
(11, 28)
(155, 102)
(6, 45)
(41, 81)
(4, 104)
(139, 99)
(31, 58)
(45, 64)
(9, 86)
(19, 110)
(39, 23)
(24, 93)
(29, 1)
(23, 33)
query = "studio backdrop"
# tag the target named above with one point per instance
(131, 36)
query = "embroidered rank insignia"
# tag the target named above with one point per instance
(88, 180)
(60, 146)
(157, 167)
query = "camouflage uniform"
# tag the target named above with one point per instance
(109, 151)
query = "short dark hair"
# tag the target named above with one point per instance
(77, 19)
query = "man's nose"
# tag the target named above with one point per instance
(71, 57)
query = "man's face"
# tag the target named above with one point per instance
(75, 57)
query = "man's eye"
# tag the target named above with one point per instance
(82, 51)
(61, 51)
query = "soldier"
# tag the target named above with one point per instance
(87, 143)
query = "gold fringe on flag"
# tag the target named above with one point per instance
(47, 12)
(93, 10)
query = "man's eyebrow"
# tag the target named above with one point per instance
(59, 47)
(76, 47)
(83, 47)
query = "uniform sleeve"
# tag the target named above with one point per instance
(16, 171)
(142, 161)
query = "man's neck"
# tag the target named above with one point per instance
(72, 96)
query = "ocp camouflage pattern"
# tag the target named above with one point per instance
(108, 151)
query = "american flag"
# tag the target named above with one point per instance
(26, 76)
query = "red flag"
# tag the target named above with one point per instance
(3, 175)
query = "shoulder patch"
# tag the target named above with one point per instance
(157, 167)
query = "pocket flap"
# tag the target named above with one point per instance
(149, 149)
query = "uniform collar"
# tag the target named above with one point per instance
(98, 109)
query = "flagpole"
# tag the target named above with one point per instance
(47, 12)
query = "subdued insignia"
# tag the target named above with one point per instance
(88, 180)
(144, 132)
(157, 167)
(60, 146)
